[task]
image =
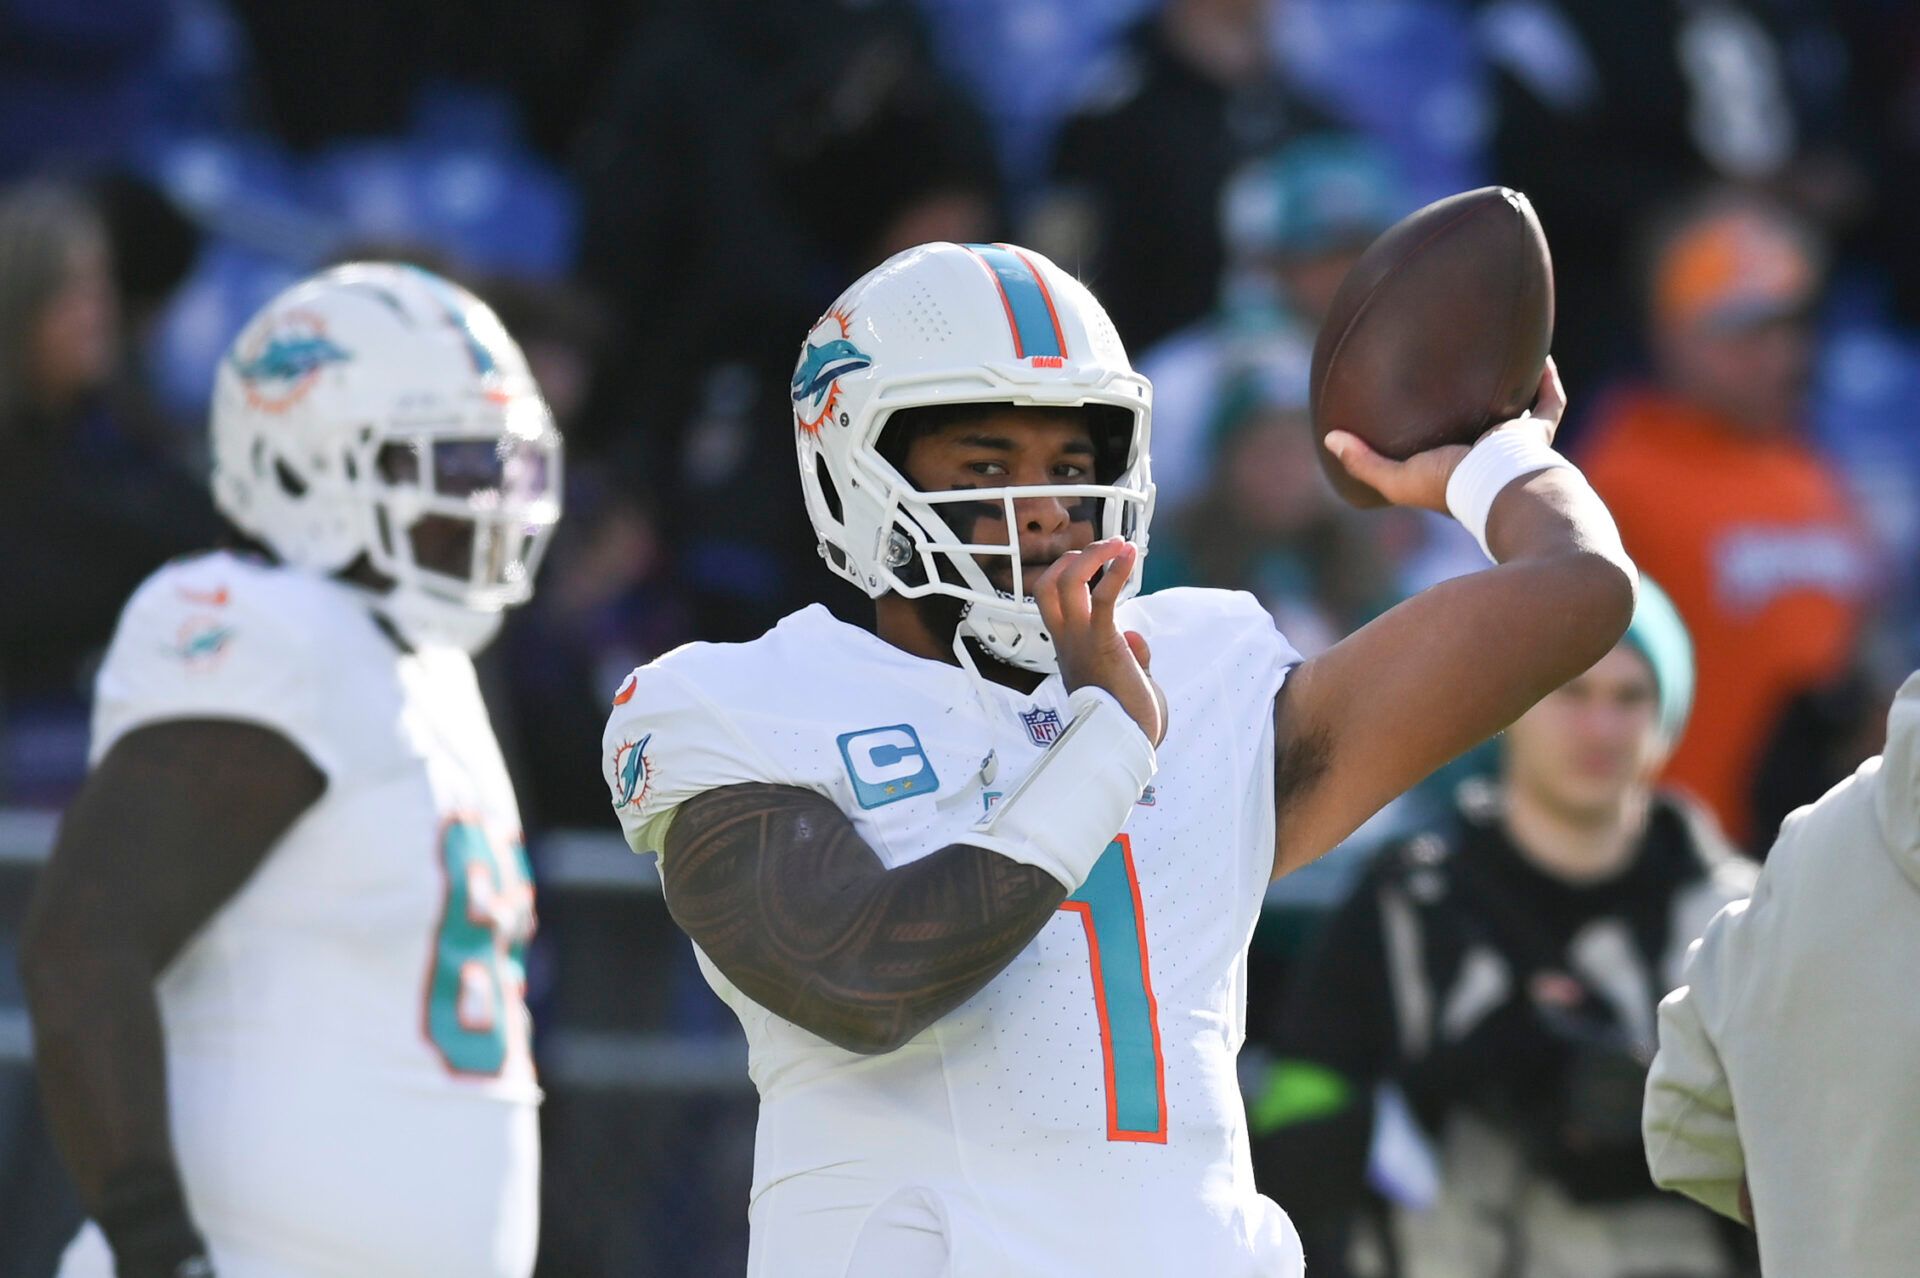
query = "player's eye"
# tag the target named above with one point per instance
(1069, 470)
(987, 467)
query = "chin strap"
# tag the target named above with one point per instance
(1031, 647)
(964, 651)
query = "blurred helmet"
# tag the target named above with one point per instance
(945, 324)
(378, 410)
(1317, 194)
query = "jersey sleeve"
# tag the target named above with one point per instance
(1227, 631)
(1252, 656)
(1270, 657)
(666, 742)
(1693, 1143)
(188, 648)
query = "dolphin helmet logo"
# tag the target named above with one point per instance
(822, 364)
(287, 359)
(827, 355)
(283, 362)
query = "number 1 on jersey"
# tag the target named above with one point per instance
(1108, 904)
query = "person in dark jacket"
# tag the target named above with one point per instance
(1459, 1063)
(1188, 96)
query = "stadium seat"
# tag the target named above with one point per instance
(490, 210)
(228, 284)
(1405, 71)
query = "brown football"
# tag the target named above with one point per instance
(1439, 331)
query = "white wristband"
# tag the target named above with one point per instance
(1500, 457)
(1065, 812)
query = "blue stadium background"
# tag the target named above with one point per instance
(659, 196)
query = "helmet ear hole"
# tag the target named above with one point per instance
(899, 549)
(828, 491)
(290, 483)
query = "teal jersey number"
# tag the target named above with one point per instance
(476, 988)
(1108, 904)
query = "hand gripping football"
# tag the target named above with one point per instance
(1440, 331)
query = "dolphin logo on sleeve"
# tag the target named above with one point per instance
(633, 771)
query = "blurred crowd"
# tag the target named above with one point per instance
(659, 198)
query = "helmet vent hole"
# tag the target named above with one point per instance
(385, 530)
(347, 465)
(290, 483)
(397, 463)
(828, 491)
(927, 315)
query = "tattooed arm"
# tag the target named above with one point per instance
(787, 900)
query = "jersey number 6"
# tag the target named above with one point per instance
(476, 982)
(1108, 904)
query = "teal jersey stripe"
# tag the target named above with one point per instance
(1135, 1103)
(1030, 313)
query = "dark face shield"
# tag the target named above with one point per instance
(480, 508)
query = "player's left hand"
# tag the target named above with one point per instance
(1421, 480)
(1091, 647)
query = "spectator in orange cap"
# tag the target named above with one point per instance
(1717, 494)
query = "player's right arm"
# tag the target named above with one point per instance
(210, 734)
(784, 897)
(782, 894)
(174, 819)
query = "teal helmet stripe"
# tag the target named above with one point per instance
(1029, 304)
(455, 306)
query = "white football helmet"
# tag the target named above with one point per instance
(956, 324)
(379, 410)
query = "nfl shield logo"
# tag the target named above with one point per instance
(1043, 726)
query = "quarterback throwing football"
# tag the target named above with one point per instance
(978, 885)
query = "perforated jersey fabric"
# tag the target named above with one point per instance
(1017, 1135)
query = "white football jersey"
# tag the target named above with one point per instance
(1081, 1113)
(348, 1062)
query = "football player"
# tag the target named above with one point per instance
(978, 885)
(275, 962)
